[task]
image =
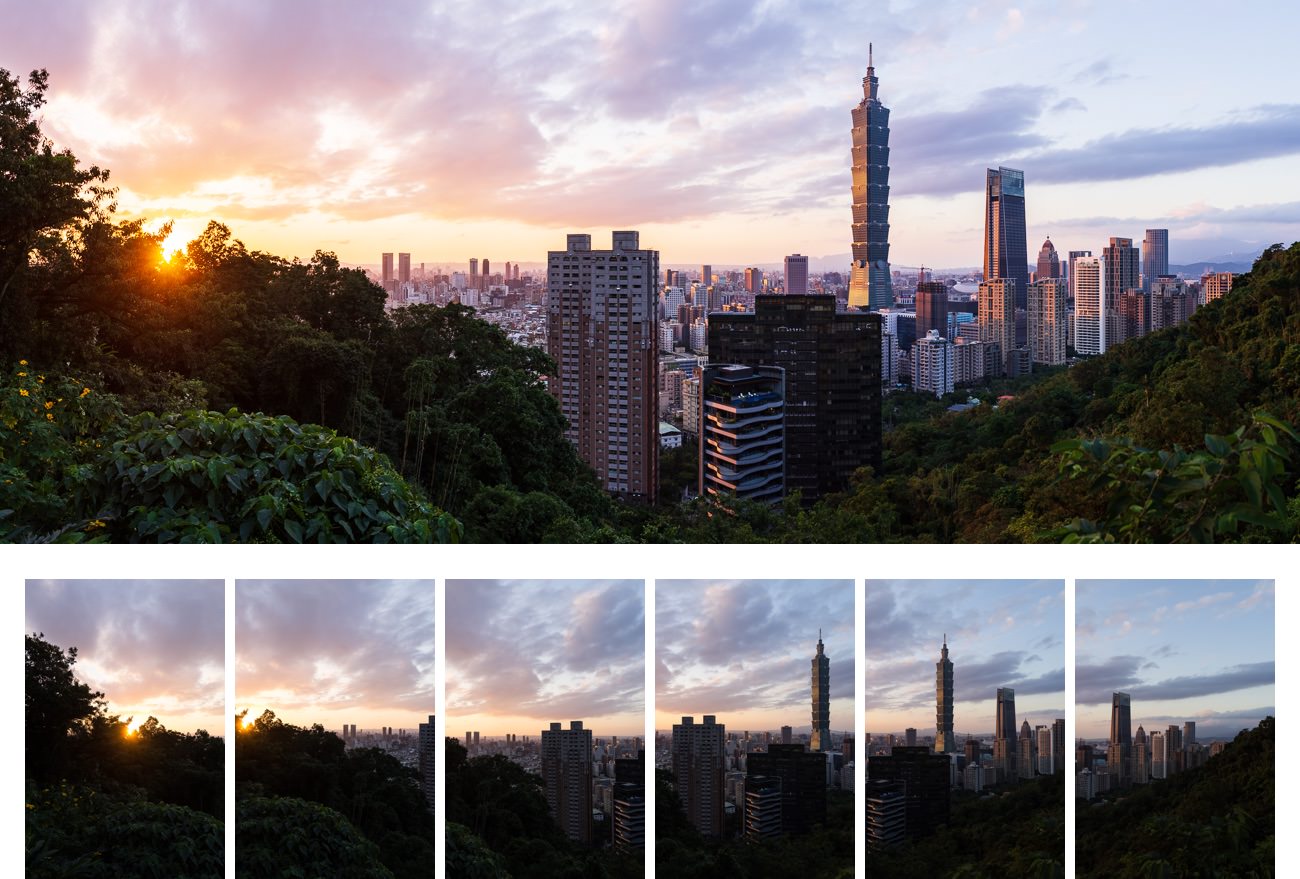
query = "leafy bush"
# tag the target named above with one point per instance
(279, 837)
(79, 832)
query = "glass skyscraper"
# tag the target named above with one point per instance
(870, 286)
(1006, 250)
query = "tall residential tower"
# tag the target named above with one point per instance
(870, 286)
(602, 331)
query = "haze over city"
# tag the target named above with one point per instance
(336, 651)
(454, 130)
(742, 650)
(1000, 633)
(522, 654)
(153, 647)
(1199, 650)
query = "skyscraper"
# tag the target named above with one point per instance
(566, 771)
(796, 274)
(934, 367)
(426, 759)
(403, 268)
(1088, 280)
(870, 284)
(706, 275)
(753, 280)
(1047, 321)
(832, 382)
(629, 803)
(944, 741)
(1005, 246)
(762, 808)
(821, 699)
(699, 750)
(1049, 264)
(924, 778)
(1155, 256)
(603, 333)
(1119, 755)
(997, 319)
(931, 308)
(1122, 275)
(1004, 734)
(803, 783)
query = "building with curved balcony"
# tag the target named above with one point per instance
(742, 432)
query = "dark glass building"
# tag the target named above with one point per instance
(1155, 257)
(931, 308)
(832, 382)
(803, 783)
(870, 283)
(924, 777)
(1006, 250)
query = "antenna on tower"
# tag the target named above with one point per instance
(869, 53)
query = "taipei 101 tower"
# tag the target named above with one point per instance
(944, 742)
(870, 285)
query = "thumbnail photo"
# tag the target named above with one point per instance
(965, 714)
(753, 728)
(1190, 790)
(125, 708)
(334, 746)
(545, 742)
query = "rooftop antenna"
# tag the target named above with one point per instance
(869, 53)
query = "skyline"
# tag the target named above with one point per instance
(1199, 650)
(336, 651)
(741, 650)
(522, 654)
(722, 134)
(1000, 633)
(152, 647)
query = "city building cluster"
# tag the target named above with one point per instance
(1129, 758)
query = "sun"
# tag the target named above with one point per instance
(132, 728)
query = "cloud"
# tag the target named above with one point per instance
(315, 646)
(1095, 681)
(151, 646)
(550, 650)
(732, 646)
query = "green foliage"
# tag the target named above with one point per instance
(1020, 832)
(287, 837)
(1237, 483)
(202, 476)
(468, 858)
(1213, 821)
(79, 832)
(58, 706)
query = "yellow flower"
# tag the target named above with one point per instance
(22, 392)
(97, 523)
(22, 375)
(22, 362)
(49, 404)
(84, 392)
(49, 416)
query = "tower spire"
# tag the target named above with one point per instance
(870, 65)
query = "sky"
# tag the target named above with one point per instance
(1001, 633)
(523, 654)
(742, 650)
(152, 647)
(336, 651)
(718, 128)
(1183, 650)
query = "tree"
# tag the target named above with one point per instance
(42, 192)
(283, 836)
(58, 706)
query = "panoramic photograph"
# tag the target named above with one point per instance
(546, 679)
(124, 751)
(1175, 707)
(335, 746)
(965, 716)
(754, 719)
(677, 273)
